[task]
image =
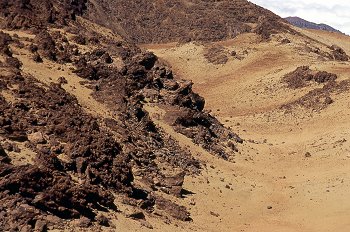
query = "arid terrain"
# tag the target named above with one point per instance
(295, 159)
(110, 122)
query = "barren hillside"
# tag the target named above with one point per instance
(184, 20)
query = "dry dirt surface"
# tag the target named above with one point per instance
(288, 98)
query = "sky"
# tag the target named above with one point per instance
(335, 13)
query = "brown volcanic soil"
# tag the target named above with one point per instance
(184, 20)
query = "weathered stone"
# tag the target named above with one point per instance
(36, 138)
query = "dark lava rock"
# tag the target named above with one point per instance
(11, 147)
(46, 45)
(303, 75)
(13, 62)
(101, 152)
(102, 220)
(2, 152)
(147, 60)
(206, 131)
(39, 13)
(80, 39)
(285, 41)
(45, 185)
(320, 98)
(5, 39)
(33, 48)
(338, 53)
(62, 80)
(322, 77)
(268, 27)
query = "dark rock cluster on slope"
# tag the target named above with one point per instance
(337, 53)
(318, 98)
(69, 142)
(144, 79)
(267, 27)
(46, 187)
(54, 47)
(38, 13)
(303, 76)
(182, 21)
(82, 160)
(333, 53)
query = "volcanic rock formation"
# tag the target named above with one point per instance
(82, 160)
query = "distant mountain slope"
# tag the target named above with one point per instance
(302, 23)
(179, 20)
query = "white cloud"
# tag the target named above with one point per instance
(332, 12)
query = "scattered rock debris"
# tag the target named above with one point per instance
(99, 151)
